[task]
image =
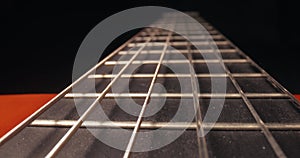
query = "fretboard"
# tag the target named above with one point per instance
(257, 116)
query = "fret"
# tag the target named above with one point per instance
(178, 43)
(172, 125)
(181, 51)
(197, 57)
(178, 95)
(215, 37)
(244, 75)
(197, 32)
(176, 61)
(260, 118)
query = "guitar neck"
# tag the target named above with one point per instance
(202, 73)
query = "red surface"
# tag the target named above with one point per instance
(15, 108)
(298, 96)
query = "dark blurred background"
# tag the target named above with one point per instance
(40, 39)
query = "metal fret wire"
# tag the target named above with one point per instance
(276, 148)
(177, 61)
(180, 38)
(140, 118)
(167, 125)
(182, 51)
(176, 95)
(244, 75)
(219, 43)
(78, 123)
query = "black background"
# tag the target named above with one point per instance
(40, 39)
